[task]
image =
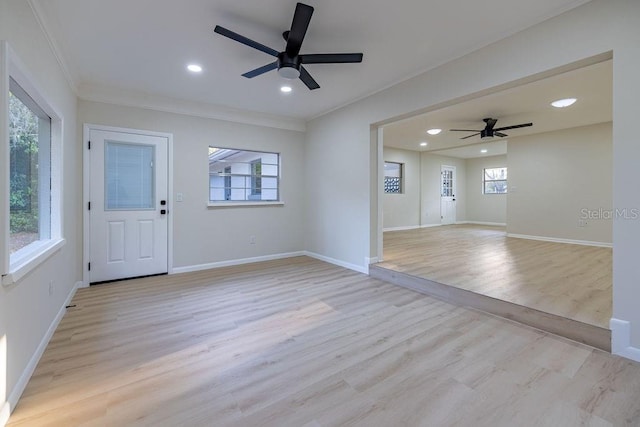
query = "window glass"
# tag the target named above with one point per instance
(495, 181)
(393, 177)
(128, 176)
(29, 171)
(243, 175)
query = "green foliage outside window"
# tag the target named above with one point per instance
(23, 182)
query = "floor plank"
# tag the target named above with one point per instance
(573, 281)
(303, 343)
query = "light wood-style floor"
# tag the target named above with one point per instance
(299, 342)
(572, 281)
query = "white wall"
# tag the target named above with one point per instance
(403, 210)
(27, 308)
(204, 235)
(553, 176)
(431, 165)
(340, 227)
(487, 208)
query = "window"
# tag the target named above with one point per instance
(29, 171)
(393, 177)
(31, 186)
(243, 175)
(495, 181)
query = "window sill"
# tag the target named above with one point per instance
(250, 203)
(31, 259)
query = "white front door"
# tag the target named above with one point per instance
(128, 208)
(448, 194)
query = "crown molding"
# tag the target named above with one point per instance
(129, 98)
(55, 48)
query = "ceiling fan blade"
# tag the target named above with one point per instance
(523, 125)
(490, 123)
(242, 39)
(331, 58)
(463, 130)
(308, 80)
(500, 134)
(475, 134)
(254, 73)
(301, 19)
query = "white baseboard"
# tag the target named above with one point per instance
(369, 261)
(4, 414)
(410, 227)
(558, 240)
(233, 262)
(17, 391)
(354, 267)
(407, 227)
(492, 224)
(621, 340)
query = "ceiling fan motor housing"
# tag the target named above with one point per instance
(288, 66)
(486, 133)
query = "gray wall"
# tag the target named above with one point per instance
(27, 308)
(209, 235)
(403, 210)
(554, 176)
(342, 228)
(489, 208)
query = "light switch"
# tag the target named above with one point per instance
(178, 197)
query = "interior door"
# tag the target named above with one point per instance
(128, 205)
(448, 194)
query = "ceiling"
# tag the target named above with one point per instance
(143, 46)
(591, 85)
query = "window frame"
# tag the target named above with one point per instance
(251, 201)
(485, 181)
(385, 176)
(14, 268)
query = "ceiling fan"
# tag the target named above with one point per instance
(489, 130)
(289, 62)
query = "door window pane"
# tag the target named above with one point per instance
(129, 178)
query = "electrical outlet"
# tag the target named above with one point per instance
(252, 240)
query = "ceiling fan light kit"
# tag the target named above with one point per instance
(289, 62)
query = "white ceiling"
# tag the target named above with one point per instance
(493, 148)
(143, 46)
(591, 85)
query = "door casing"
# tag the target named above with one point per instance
(86, 177)
(451, 200)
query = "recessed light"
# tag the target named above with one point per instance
(483, 150)
(561, 103)
(423, 144)
(194, 68)
(285, 89)
(434, 131)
